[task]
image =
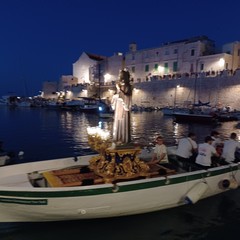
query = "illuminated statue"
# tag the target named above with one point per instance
(121, 103)
(115, 162)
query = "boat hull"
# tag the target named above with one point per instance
(21, 202)
(197, 118)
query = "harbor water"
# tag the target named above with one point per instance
(44, 134)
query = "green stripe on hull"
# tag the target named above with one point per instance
(24, 201)
(134, 186)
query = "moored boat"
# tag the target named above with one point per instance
(105, 110)
(90, 105)
(193, 117)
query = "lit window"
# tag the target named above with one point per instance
(166, 68)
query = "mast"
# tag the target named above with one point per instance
(195, 82)
(99, 80)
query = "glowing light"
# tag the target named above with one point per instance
(98, 132)
(160, 69)
(107, 77)
(221, 62)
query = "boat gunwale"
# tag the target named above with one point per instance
(129, 185)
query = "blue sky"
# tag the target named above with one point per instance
(40, 40)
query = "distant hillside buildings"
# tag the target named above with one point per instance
(171, 60)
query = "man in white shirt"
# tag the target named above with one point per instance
(205, 153)
(160, 152)
(229, 148)
(160, 155)
(186, 150)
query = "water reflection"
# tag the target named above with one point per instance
(46, 134)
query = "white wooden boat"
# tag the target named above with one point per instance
(49, 190)
(115, 182)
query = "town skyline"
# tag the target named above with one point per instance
(41, 40)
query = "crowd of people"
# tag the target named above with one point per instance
(211, 153)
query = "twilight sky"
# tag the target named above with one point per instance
(41, 39)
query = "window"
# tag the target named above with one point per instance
(166, 68)
(146, 68)
(238, 52)
(175, 51)
(156, 67)
(192, 52)
(202, 67)
(133, 57)
(166, 52)
(175, 66)
(133, 69)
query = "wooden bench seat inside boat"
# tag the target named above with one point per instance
(79, 177)
(70, 178)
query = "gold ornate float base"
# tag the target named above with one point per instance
(117, 164)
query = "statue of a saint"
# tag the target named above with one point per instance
(121, 104)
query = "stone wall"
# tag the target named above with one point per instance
(223, 89)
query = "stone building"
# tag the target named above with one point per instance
(183, 57)
(183, 61)
(81, 68)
